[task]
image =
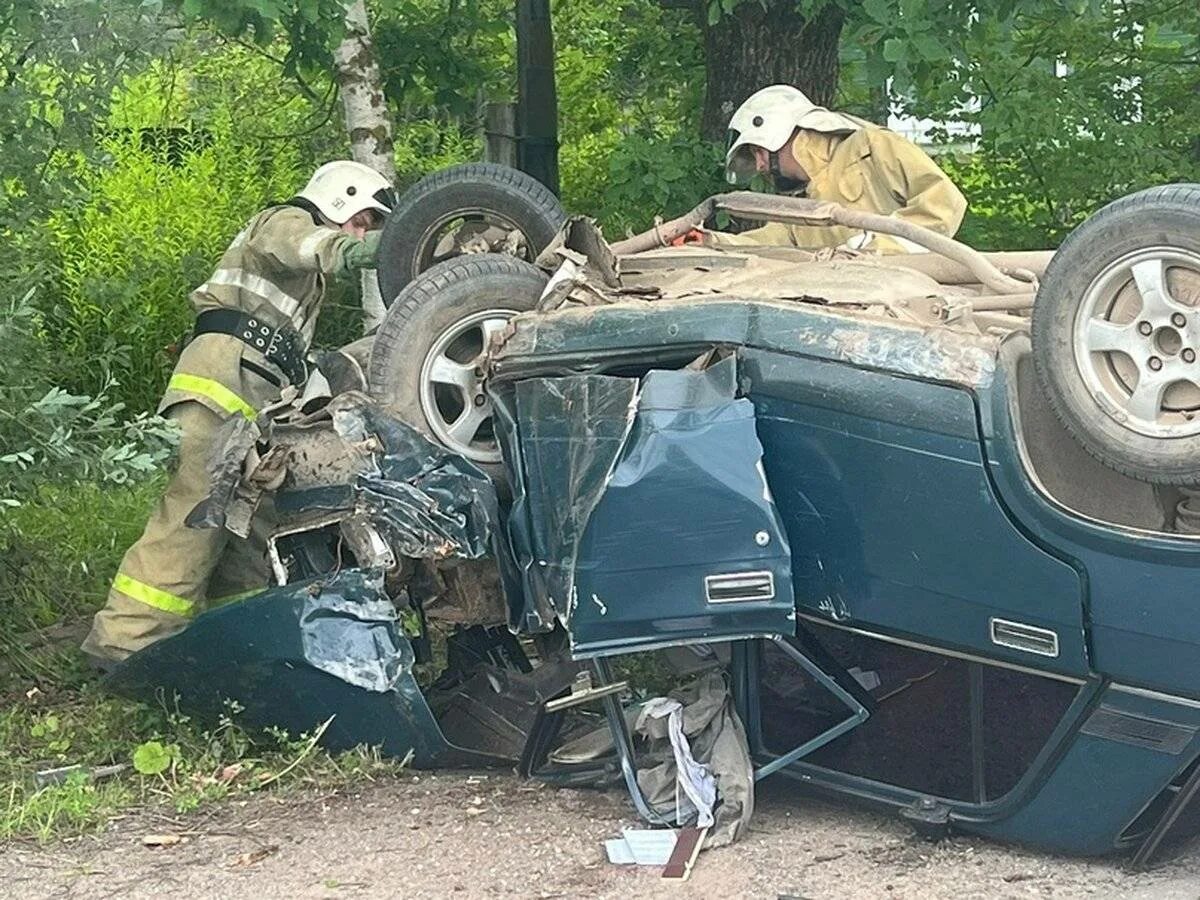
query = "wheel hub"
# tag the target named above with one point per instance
(1136, 340)
(453, 401)
(470, 231)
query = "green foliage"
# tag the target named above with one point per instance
(425, 145)
(152, 758)
(311, 27)
(630, 78)
(58, 553)
(181, 174)
(649, 175)
(1075, 102)
(49, 434)
(59, 62)
(173, 761)
(443, 58)
(66, 809)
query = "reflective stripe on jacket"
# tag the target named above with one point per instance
(275, 270)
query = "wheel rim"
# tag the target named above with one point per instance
(1137, 342)
(444, 238)
(452, 398)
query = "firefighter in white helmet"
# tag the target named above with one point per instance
(255, 319)
(779, 133)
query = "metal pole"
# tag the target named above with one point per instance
(537, 101)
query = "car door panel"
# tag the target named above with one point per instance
(881, 484)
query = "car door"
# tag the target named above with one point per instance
(895, 525)
(642, 516)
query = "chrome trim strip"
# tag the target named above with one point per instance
(941, 651)
(1156, 695)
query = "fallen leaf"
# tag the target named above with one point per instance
(255, 856)
(162, 840)
(229, 773)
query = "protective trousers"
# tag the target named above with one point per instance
(169, 574)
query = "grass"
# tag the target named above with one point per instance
(59, 554)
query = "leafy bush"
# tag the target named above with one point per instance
(630, 76)
(649, 176)
(49, 434)
(175, 185)
(426, 145)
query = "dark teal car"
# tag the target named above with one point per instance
(940, 582)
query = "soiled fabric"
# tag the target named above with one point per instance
(693, 778)
(713, 733)
(873, 170)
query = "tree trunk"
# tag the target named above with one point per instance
(368, 122)
(755, 47)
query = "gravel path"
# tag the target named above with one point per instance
(493, 836)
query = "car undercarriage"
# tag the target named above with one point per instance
(826, 496)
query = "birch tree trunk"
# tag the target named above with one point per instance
(368, 122)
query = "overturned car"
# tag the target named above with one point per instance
(929, 515)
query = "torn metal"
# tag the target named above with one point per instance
(294, 657)
(356, 462)
(334, 650)
(675, 451)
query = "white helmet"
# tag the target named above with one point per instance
(341, 189)
(769, 118)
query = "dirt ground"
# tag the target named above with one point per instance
(460, 835)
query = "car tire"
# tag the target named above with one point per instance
(481, 191)
(1116, 334)
(423, 362)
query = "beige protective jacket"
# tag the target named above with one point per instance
(275, 270)
(874, 170)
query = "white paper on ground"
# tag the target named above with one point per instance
(641, 846)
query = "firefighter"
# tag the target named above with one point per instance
(803, 148)
(255, 320)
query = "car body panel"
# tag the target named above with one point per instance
(873, 469)
(295, 657)
(882, 484)
(1143, 587)
(634, 535)
(1100, 784)
(914, 517)
(873, 452)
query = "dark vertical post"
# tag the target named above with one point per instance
(978, 766)
(537, 101)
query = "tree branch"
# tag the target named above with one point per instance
(20, 61)
(305, 89)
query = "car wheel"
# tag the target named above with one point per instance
(1116, 334)
(473, 208)
(426, 360)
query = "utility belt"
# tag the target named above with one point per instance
(283, 347)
